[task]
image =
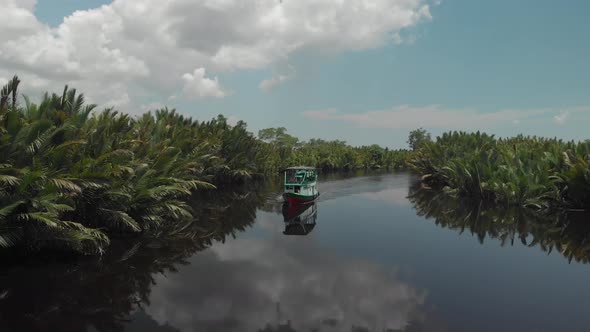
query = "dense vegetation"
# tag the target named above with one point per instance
(70, 175)
(522, 171)
(284, 149)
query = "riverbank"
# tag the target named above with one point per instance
(532, 172)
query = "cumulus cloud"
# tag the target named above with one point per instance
(131, 48)
(408, 117)
(196, 85)
(18, 18)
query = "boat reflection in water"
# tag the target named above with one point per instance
(300, 219)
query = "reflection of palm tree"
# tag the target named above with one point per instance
(114, 285)
(567, 233)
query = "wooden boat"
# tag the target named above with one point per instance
(300, 185)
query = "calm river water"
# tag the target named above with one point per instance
(373, 254)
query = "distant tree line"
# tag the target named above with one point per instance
(284, 150)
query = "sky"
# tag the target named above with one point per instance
(362, 71)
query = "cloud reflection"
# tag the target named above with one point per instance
(245, 284)
(397, 196)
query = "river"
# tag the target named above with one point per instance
(375, 253)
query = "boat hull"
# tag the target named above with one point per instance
(293, 198)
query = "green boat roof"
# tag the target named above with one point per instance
(301, 168)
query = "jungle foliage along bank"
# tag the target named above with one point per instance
(532, 172)
(71, 176)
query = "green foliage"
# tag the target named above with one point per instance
(524, 171)
(71, 176)
(417, 138)
(284, 150)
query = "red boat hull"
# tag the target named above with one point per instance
(296, 199)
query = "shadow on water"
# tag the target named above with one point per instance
(566, 233)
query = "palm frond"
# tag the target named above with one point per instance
(66, 185)
(122, 219)
(10, 237)
(7, 210)
(9, 180)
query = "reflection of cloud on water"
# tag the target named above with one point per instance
(365, 185)
(397, 196)
(269, 221)
(244, 284)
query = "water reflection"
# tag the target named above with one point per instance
(234, 270)
(254, 284)
(300, 219)
(566, 233)
(366, 185)
(102, 293)
(201, 277)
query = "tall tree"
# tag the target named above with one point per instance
(417, 138)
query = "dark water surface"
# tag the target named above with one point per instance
(365, 257)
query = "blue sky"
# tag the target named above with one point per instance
(501, 66)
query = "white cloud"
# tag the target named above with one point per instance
(17, 18)
(151, 107)
(132, 48)
(561, 118)
(197, 85)
(277, 80)
(272, 82)
(25, 4)
(408, 117)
